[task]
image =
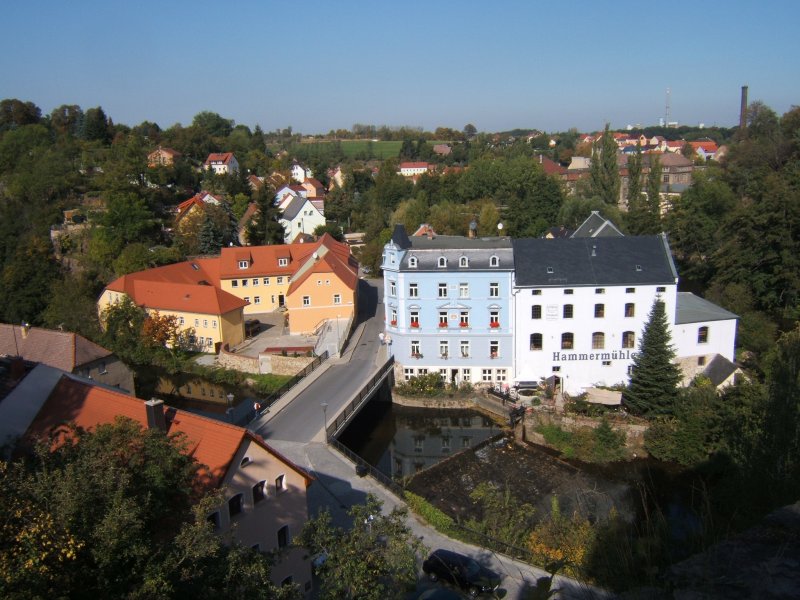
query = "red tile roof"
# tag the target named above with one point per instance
(212, 443)
(60, 349)
(219, 157)
(264, 260)
(332, 257)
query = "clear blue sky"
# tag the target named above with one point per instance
(319, 65)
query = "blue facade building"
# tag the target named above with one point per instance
(448, 310)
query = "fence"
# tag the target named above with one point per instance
(275, 396)
(353, 406)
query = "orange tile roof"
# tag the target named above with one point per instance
(264, 260)
(60, 349)
(212, 443)
(336, 259)
(219, 157)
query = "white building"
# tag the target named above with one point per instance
(223, 163)
(301, 173)
(580, 305)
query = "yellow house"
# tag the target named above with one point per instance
(190, 291)
(324, 287)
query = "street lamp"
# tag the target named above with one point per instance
(338, 339)
(229, 396)
(325, 420)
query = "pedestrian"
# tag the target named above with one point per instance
(380, 337)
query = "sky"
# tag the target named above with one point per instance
(319, 65)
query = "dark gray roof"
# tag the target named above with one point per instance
(597, 226)
(719, 369)
(694, 309)
(630, 260)
(293, 208)
(400, 237)
(458, 242)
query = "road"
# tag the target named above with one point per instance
(301, 419)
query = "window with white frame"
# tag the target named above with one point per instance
(245, 282)
(408, 374)
(444, 348)
(392, 288)
(283, 262)
(256, 280)
(197, 322)
(414, 318)
(486, 374)
(205, 322)
(500, 375)
(443, 318)
(257, 299)
(443, 375)
(415, 348)
(214, 324)
(494, 261)
(337, 298)
(412, 262)
(494, 318)
(243, 264)
(393, 316)
(463, 261)
(279, 280)
(306, 300)
(464, 345)
(247, 298)
(180, 320)
(280, 483)
(266, 280)
(260, 491)
(466, 375)
(442, 262)
(463, 290)
(442, 290)
(463, 318)
(413, 290)
(494, 348)
(494, 290)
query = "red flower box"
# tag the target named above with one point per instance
(463, 324)
(442, 325)
(494, 324)
(414, 324)
(392, 322)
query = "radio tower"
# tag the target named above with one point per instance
(666, 111)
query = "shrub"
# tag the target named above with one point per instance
(427, 385)
(434, 517)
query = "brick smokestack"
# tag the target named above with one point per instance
(743, 109)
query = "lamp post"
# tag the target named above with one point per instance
(325, 420)
(229, 397)
(338, 338)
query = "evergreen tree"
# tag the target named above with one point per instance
(654, 376)
(653, 193)
(209, 238)
(264, 228)
(635, 178)
(605, 172)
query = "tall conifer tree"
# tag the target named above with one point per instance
(604, 171)
(654, 376)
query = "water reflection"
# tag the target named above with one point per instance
(400, 441)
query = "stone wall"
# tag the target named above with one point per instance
(237, 362)
(634, 432)
(283, 365)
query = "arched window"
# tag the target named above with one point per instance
(442, 262)
(598, 340)
(463, 262)
(567, 341)
(702, 335)
(494, 261)
(628, 339)
(259, 492)
(235, 505)
(536, 341)
(412, 262)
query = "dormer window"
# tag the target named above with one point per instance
(283, 262)
(442, 262)
(494, 261)
(549, 270)
(243, 264)
(412, 262)
(638, 268)
(463, 262)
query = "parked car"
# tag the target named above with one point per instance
(462, 571)
(251, 327)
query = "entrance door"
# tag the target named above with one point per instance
(281, 301)
(453, 375)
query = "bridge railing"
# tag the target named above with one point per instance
(344, 416)
(297, 378)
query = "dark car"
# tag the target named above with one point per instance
(460, 570)
(251, 327)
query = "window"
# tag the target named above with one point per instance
(486, 374)
(214, 322)
(205, 322)
(463, 290)
(466, 375)
(443, 318)
(280, 483)
(463, 318)
(259, 492)
(463, 261)
(279, 280)
(568, 311)
(306, 300)
(701, 360)
(337, 298)
(283, 540)
(628, 339)
(549, 270)
(567, 341)
(394, 316)
(412, 262)
(494, 261)
(606, 363)
(638, 268)
(414, 317)
(536, 341)
(442, 262)
(419, 443)
(599, 290)
(500, 375)
(266, 280)
(243, 264)
(494, 348)
(256, 299)
(213, 518)
(599, 311)
(630, 309)
(283, 262)
(393, 288)
(569, 292)
(413, 290)
(536, 311)
(630, 290)
(444, 348)
(442, 290)
(494, 290)
(255, 281)
(598, 340)
(464, 348)
(702, 335)
(660, 290)
(465, 442)
(536, 292)
(494, 319)
(235, 505)
(408, 374)
(245, 282)
(247, 298)
(234, 283)
(180, 320)
(415, 348)
(445, 443)
(556, 369)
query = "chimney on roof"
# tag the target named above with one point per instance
(743, 109)
(594, 249)
(155, 414)
(25, 328)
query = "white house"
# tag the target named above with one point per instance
(223, 163)
(301, 173)
(410, 169)
(300, 216)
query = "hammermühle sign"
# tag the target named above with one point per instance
(615, 355)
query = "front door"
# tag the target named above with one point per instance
(281, 301)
